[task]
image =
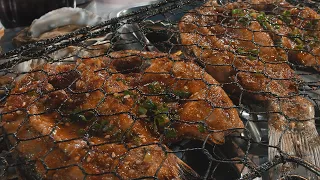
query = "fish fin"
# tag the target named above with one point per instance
(306, 147)
(187, 173)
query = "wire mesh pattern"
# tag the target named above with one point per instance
(175, 90)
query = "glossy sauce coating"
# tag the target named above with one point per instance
(113, 115)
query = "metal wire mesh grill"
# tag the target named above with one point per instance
(80, 106)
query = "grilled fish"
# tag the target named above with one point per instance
(293, 28)
(111, 117)
(233, 46)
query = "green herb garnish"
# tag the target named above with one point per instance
(108, 128)
(149, 105)
(78, 117)
(155, 87)
(254, 52)
(286, 13)
(261, 17)
(170, 132)
(161, 119)
(83, 117)
(266, 21)
(245, 20)
(236, 11)
(158, 113)
(296, 37)
(104, 122)
(264, 25)
(300, 47)
(241, 51)
(173, 95)
(126, 92)
(201, 128)
(162, 109)
(285, 17)
(250, 57)
(121, 80)
(251, 54)
(142, 110)
(81, 132)
(298, 41)
(243, 17)
(105, 126)
(182, 94)
(96, 127)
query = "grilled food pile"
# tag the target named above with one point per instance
(249, 46)
(113, 114)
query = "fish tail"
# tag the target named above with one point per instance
(292, 131)
(186, 172)
(295, 144)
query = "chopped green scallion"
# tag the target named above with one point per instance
(155, 87)
(285, 17)
(286, 13)
(162, 109)
(201, 128)
(149, 105)
(261, 17)
(78, 117)
(300, 46)
(81, 132)
(104, 123)
(121, 80)
(250, 57)
(236, 11)
(82, 117)
(182, 94)
(170, 132)
(254, 52)
(161, 119)
(264, 25)
(298, 41)
(126, 92)
(241, 51)
(142, 110)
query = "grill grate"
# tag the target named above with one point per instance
(179, 89)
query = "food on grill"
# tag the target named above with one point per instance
(57, 22)
(113, 116)
(293, 28)
(231, 52)
(231, 42)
